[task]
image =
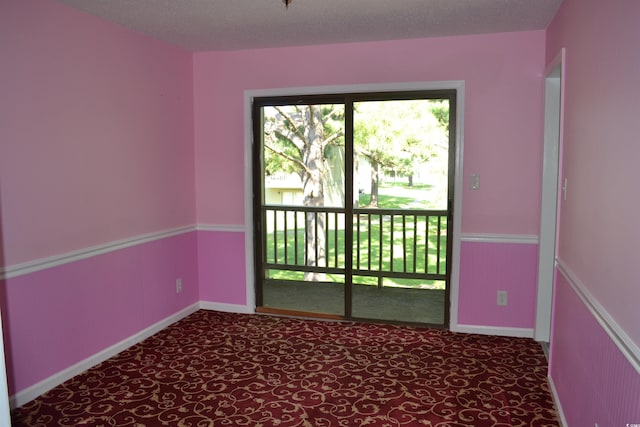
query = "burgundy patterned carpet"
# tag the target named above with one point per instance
(222, 369)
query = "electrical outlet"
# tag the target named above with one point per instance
(178, 285)
(502, 297)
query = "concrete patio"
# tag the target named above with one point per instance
(425, 306)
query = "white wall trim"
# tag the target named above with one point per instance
(5, 410)
(233, 228)
(356, 88)
(21, 269)
(66, 258)
(228, 308)
(556, 400)
(454, 280)
(482, 329)
(618, 335)
(47, 384)
(500, 238)
(549, 214)
(494, 330)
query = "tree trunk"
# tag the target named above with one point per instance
(375, 166)
(313, 194)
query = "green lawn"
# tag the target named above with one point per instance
(399, 196)
(373, 250)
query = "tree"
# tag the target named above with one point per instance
(395, 136)
(297, 138)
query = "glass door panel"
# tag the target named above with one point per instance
(401, 176)
(303, 208)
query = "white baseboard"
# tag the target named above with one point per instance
(47, 384)
(229, 308)
(556, 401)
(494, 330)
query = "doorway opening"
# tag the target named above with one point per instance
(549, 200)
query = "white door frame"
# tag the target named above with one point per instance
(249, 95)
(552, 152)
(5, 418)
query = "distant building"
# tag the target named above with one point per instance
(283, 189)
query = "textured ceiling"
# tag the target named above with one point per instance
(246, 24)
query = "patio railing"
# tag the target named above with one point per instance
(409, 244)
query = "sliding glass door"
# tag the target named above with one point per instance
(352, 197)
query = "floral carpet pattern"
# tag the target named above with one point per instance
(223, 369)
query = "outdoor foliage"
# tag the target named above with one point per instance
(301, 135)
(397, 137)
(401, 138)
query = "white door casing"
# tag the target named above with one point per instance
(549, 202)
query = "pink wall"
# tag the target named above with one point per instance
(491, 267)
(96, 124)
(60, 316)
(221, 262)
(593, 378)
(599, 220)
(503, 121)
(502, 136)
(600, 216)
(96, 131)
